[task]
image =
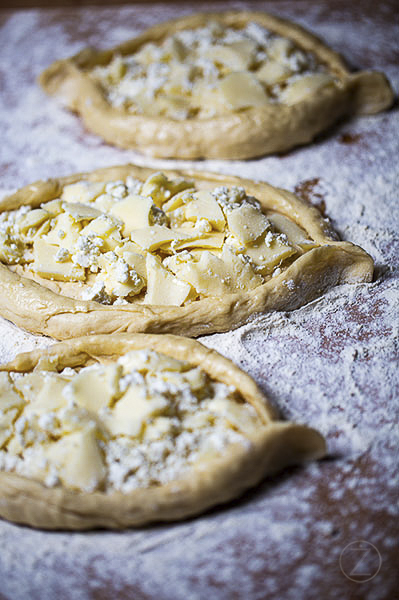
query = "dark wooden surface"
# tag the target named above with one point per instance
(283, 540)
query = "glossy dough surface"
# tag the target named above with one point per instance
(216, 478)
(37, 308)
(244, 130)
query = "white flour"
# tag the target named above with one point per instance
(331, 364)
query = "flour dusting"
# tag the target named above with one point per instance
(331, 364)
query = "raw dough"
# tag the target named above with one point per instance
(244, 131)
(218, 477)
(35, 307)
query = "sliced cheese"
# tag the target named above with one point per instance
(95, 388)
(81, 212)
(272, 72)
(82, 191)
(162, 286)
(204, 206)
(64, 232)
(247, 223)
(134, 211)
(45, 264)
(295, 234)
(133, 411)
(302, 88)
(33, 218)
(268, 252)
(78, 459)
(151, 238)
(242, 90)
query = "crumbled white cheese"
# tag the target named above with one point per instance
(140, 421)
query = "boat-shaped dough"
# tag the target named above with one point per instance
(127, 249)
(121, 430)
(230, 85)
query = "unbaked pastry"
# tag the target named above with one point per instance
(120, 430)
(231, 85)
(127, 249)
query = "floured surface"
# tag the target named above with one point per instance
(331, 364)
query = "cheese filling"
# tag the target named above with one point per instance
(210, 71)
(157, 242)
(140, 421)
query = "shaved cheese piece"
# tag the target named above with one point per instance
(205, 240)
(214, 276)
(64, 232)
(272, 72)
(78, 459)
(94, 389)
(45, 264)
(151, 238)
(134, 257)
(133, 211)
(204, 206)
(33, 218)
(54, 207)
(301, 88)
(82, 191)
(81, 212)
(131, 413)
(236, 55)
(158, 187)
(247, 223)
(295, 234)
(162, 286)
(269, 252)
(106, 228)
(242, 90)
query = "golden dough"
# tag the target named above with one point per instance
(217, 479)
(238, 134)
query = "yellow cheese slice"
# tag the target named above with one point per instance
(237, 415)
(118, 278)
(45, 264)
(207, 240)
(64, 232)
(178, 199)
(208, 275)
(33, 218)
(6, 429)
(81, 212)
(241, 89)
(204, 206)
(95, 388)
(236, 55)
(105, 228)
(82, 191)
(54, 207)
(247, 223)
(132, 411)
(78, 459)
(269, 253)
(158, 187)
(134, 257)
(304, 86)
(272, 72)
(133, 211)
(151, 238)
(241, 272)
(162, 286)
(8, 396)
(295, 234)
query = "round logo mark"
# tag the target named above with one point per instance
(360, 561)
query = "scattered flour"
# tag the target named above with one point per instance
(331, 364)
